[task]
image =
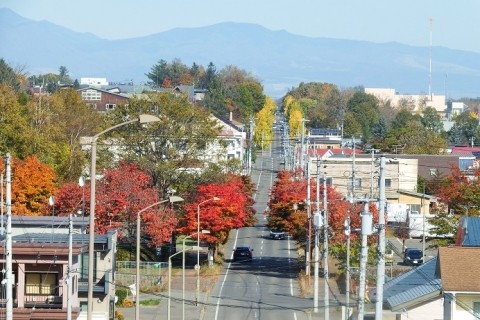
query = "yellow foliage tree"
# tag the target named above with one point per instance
(287, 102)
(295, 120)
(264, 124)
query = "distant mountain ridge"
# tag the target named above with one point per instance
(280, 60)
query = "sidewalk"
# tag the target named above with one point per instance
(178, 296)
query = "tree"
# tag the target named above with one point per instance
(465, 127)
(57, 122)
(120, 195)
(172, 150)
(432, 120)
(8, 76)
(264, 124)
(233, 210)
(15, 137)
(365, 109)
(32, 185)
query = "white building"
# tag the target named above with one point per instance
(94, 81)
(417, 102)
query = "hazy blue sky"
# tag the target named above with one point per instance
(456, 24)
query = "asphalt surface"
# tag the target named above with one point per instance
(267, 287)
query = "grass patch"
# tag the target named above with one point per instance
(150, 302)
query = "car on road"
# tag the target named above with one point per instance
(277, 234)
(242, 254)
(413, 256)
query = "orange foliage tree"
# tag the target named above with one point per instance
(32, 185)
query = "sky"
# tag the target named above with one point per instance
(447, 23)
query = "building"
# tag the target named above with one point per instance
(102, 100)
(40, 267)
(457, 267)
(415, 103)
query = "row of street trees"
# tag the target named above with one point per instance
(139, 165)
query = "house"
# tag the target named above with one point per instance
(102, 100)
(416, 294)
(468, 234)
(231, 142)
(457, 267)
(324, 138)
(40, 252)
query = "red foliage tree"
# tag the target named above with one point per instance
(232, 210)
(288, 210)
(120, 195)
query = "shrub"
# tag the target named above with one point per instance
(121, 294)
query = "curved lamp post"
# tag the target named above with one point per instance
(171, 199)
(143, 118)
(197, 267)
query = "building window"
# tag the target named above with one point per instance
(83, 266)
(388, 183)
(90, 95)
(110, 106)
(329, 181)
(358, 183)
(41, 283)
(433, 172)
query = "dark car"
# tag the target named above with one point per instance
(413, 256)
(277, 235)
(242, 254)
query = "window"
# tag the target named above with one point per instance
(110, 106)
(91, 94)
(358, 183)
(476, 310)
(388, 183)
(83, 266)
(415, 208)
(330, 181)
(433, 172)
(40, 283)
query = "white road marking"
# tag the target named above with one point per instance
(225, 279)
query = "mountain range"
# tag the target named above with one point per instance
(280, 60)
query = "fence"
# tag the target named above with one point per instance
(151, 273)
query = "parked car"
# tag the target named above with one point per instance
(413, 256)
(277, 235)
(242, 254)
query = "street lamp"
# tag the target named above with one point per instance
(197, 267)
(183, 270)
(171, 199)
(170, 280)
(143, 118)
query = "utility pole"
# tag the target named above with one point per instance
(8, 242)
(372, 150)
(317, 222)
(309, 216)
(366, 231)
(347, 275)
(381, 243)
(325, 248)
